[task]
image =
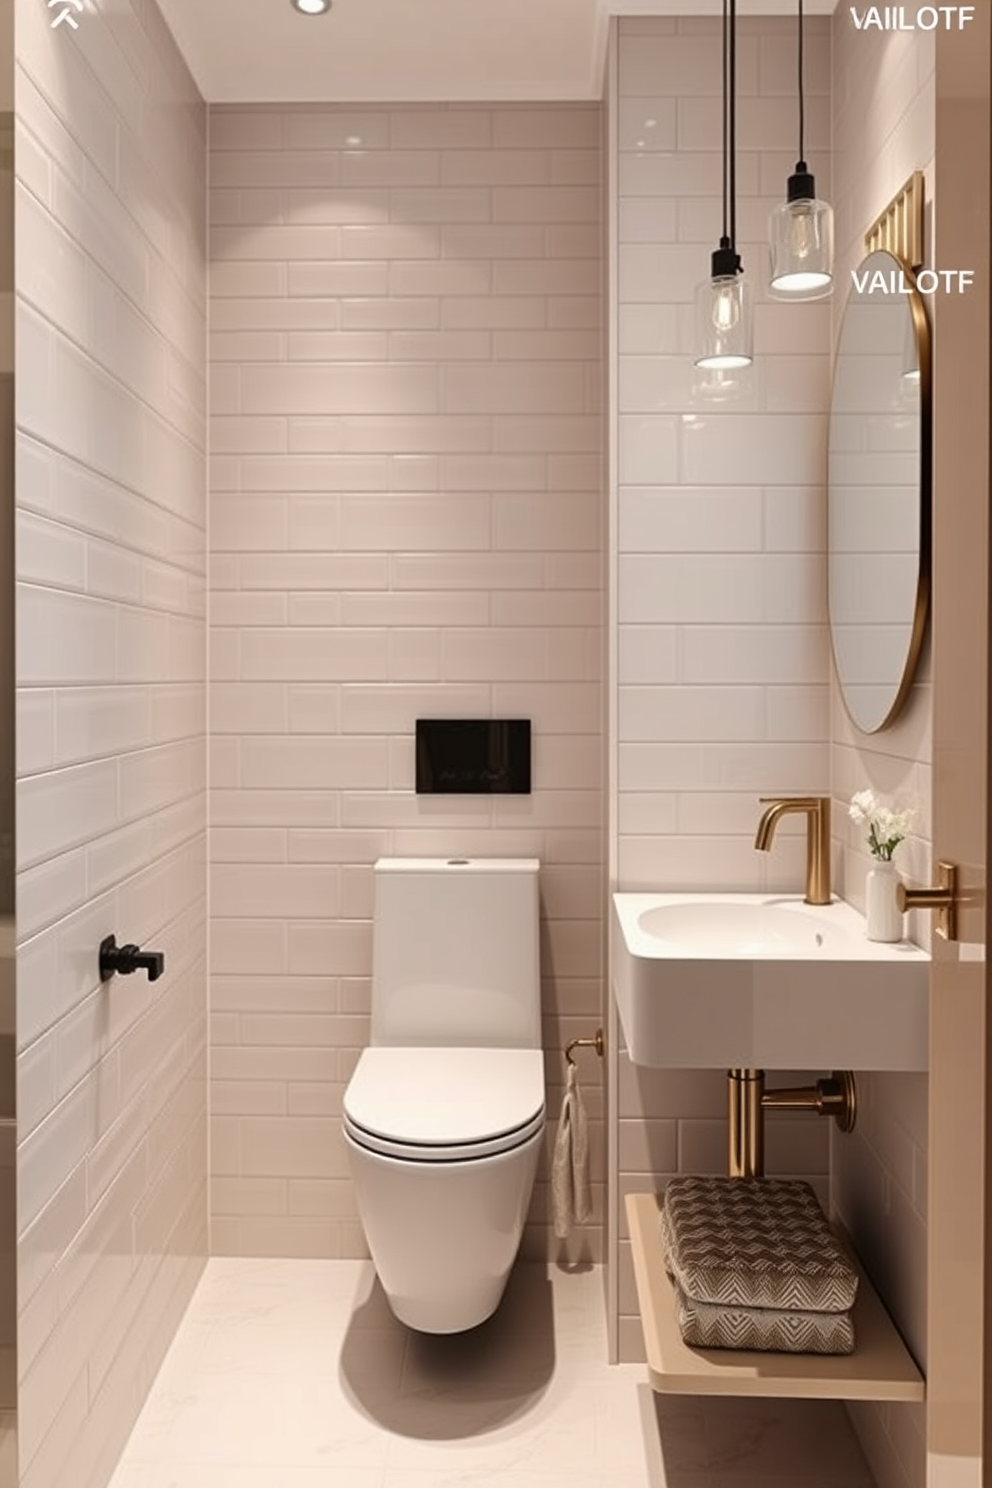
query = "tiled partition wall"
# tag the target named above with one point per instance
(407, 517)
(883, 130)
(111, 1093)
(8, 1008)
(7, 745)
(722, 669)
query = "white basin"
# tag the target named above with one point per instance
(705, 980)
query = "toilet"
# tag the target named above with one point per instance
(444, 1114)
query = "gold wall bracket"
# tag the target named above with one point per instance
(944, 899)
(899, 229)
(748, 1100)
(596, 1042)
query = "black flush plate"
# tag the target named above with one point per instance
(473, 756)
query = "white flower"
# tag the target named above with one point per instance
(887, 825)
(892, 823)
(863, 806)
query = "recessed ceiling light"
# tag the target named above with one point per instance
(312, 7)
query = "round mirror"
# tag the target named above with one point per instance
(878, 509)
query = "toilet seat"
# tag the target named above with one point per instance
(430, 1153)
(445, 1104)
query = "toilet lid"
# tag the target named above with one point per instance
(446, 1098)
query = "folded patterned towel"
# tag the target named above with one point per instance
(755, 1243)
(767, 1329)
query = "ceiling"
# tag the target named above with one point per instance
(242, 51)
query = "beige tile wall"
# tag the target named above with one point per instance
(8, 1010)
(7, 741)
(407, 518)
(722, 679)
(110, 284)
(883, 130)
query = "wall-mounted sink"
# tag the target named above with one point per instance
(705, 980)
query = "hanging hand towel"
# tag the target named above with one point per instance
(570, 1194)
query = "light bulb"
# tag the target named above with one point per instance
(801, 238)
(723, 321)
(804, 246)
(803, 230)
(726, 309)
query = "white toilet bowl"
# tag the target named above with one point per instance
(443, 1146)
(443, 1117)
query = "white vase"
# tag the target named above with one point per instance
(881, 910)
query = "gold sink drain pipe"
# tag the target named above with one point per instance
(748, 1100)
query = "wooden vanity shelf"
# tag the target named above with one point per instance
(881, 1367)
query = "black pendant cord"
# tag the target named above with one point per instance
(733, 124)
(726, 260)
(802, 99)
(725, 240)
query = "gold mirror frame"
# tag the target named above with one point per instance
(922, 338)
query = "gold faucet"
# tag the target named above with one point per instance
(817, 812)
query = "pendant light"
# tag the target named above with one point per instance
(801, 230)
(723, 302)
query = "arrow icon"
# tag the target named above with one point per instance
(66, 13)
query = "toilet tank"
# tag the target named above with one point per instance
(455, 953)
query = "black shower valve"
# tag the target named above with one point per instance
(128, 958)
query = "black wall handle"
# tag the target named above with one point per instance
(128, 958)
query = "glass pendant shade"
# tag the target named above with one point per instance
(724, 322)
(801, 239)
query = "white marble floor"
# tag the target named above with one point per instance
(294, 1374)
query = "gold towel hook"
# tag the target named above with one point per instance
(586, 1043)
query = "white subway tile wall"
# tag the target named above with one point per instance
(407, 518)
(883, 126)
(111, 561)
(722, 648)
(884, 120)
